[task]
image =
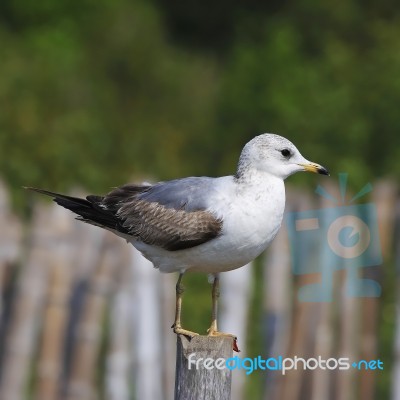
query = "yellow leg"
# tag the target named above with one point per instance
(213, 329)
(178, 308)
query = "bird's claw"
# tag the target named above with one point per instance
(215, 333)
(178, 330)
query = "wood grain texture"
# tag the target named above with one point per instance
(202, 383)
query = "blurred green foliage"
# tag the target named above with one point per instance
(97, 93)
(92, 92)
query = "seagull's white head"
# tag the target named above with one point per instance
(276, 155)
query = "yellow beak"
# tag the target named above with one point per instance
(316, 168)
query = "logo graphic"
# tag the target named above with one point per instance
(281, 363)
(329, 239)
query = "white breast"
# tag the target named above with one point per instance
(252, 222)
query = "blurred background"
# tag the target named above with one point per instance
(95, 94)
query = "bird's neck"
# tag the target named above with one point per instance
(251, 177)
(243, 167)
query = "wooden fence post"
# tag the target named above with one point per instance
(22, 335)
(147, 341)
(202, 383)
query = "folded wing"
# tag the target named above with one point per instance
(169, 215)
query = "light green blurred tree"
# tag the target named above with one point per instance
(93, 93)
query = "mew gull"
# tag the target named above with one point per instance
(202, 224)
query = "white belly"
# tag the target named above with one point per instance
(250, 223)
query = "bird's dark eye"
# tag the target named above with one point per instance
(286, 153)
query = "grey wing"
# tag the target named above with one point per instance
(171, 215)
(190, 193)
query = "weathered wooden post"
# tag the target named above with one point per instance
(201, 373)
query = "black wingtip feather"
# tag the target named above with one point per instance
(58, 196)
(88, 209)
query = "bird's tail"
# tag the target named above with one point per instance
(89, 210)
